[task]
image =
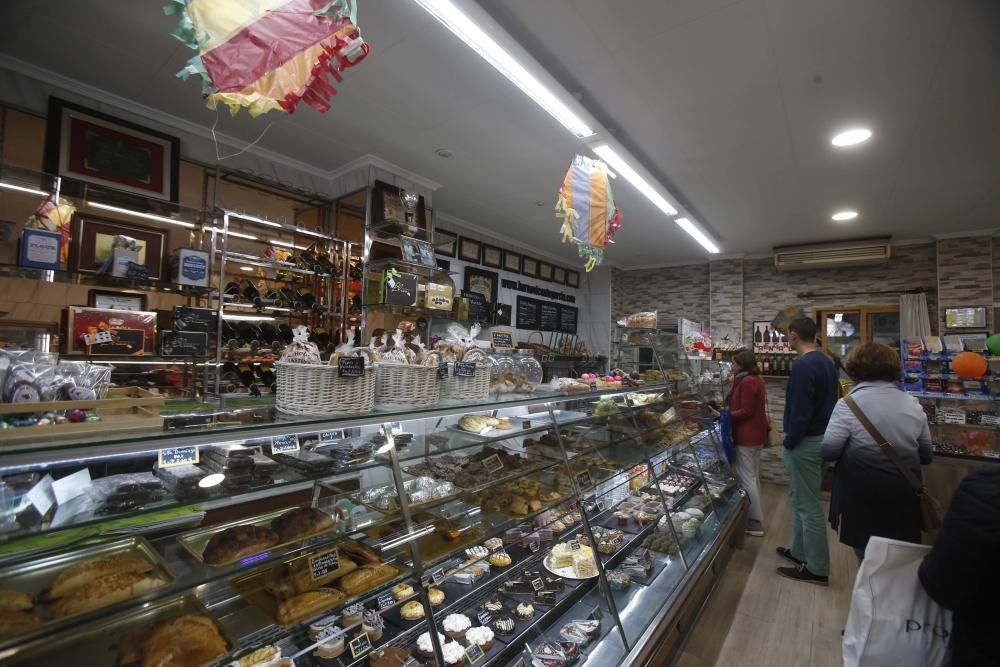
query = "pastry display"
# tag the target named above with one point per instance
(500, 559)
(238, 542)
(306, 604)
(453, 653)
(192, 639)
(524, 610)
(643, 320)
(482, 424)
(455, 625)
(367, 577)
(425, 648)
(300, 523)
(436, 595)
(503, 625)
(472, 573)
(481, 636)
(412, 611)
(618, 580)
(402, 591)
(294, 577)
(419, 490)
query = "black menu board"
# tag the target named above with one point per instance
(567, 319)
(527, 313)
(479, 307)
(548, 318)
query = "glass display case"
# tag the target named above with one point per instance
(536, 528)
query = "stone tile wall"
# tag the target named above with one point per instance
(725, 284)
(677, 291)
(965, 275)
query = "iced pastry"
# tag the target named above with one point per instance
(402, 591)
(316, 627)
(372, 625)
(425, 648)
(584, 566)
(524, 610)
(493, 543)
(618, 580)
(500, 559)
(352, 614)
(493, 606)
(482, 636)
(453, 653)
(455, 625)
(503, 625)
(477, 553)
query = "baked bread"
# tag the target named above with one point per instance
(300, 523)
(106, 590)
(238, 542)
(187, 641)
(306, 604)
(359, 553)
(87, 571)
(473, 423)
(365, 578)
(15, 622)
(290, 579)
(16, 601)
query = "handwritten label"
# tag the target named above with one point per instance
(360, 645)
(284, 443)
(485, 618)
(583, 480)
(437, 576)
(177, 456)
(443, 370)
(386, 600)
(600, 504)
(493, 464)
(330, 436)
(502, 340)
(537, 584)
(323, 564)
(534, 546)
(474, 653)
(351, 367)
(465, 369)
(990, 420)
(574, 545)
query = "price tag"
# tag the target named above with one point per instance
(990, 420)
(474, 653)
(600, 504)
(583, 480)
(465, 369)
(437, 576)
(574, 545)
(443, 370)
(284, 443)
(360, 645)
(493, 464)
(386, 600)
(330, 436)
(324, 563)
(425, 580)
(485, 618)
(537, 584)
(502, 340)
(178, 456)
(351, 367)
(534, 546)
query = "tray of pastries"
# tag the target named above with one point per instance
(47, 590)
(234, 541)
(178, 632)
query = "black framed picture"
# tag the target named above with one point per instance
(416, 251)
(559, 275)
(445, 242)
(492, 256)
(511, 261)
(482, 282)
(529, 267)
(572, 278)
(388, 207)
(116, 299)
(545, 271)
(469, 250)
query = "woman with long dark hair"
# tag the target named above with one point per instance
(747, 402)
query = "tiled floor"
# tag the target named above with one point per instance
(757, 619)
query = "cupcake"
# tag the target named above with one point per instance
(316, 627)
(372, 625)
(524, 610)
(503, 625)
(453, 653)
(455, 625)
(482, 636)
(352, 614)
(331, 648)
(402, 591)
(425, 649)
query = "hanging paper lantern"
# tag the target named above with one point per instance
(993, 345)
(969, 365)
(268, 54)
(587, 209)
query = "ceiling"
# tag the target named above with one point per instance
(730, 103)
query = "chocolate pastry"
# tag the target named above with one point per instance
(503, 625)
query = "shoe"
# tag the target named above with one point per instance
(755, 528)
(802, 573)
(787, 555)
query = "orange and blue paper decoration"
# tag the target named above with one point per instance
(587, 209)
(269, 54)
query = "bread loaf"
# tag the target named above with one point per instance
(15, 601)
(365, 578)
(191, 640)
(15, 622)
(290, 579)
(94, 568)
(106, 590)
(306, 604)
(238, 542)
(359, 553)
(301, 522)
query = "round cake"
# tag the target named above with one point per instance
(425, 648)
(455, 625)
(482, 636)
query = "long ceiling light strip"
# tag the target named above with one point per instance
(140, 214)
(469, 32)
(619, 164)
(21, 188)
(698, 235)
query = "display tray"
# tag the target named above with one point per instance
(36, 576)
(111, 641)
(194, 542)
(393, 616)
(409, 484)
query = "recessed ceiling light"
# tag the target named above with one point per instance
(851, 137)
(841, 216)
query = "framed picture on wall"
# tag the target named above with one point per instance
(93, 238)
(482, 282)
(469, 250)
(511, 261)
(572, 278)
(116, 300)
(387, 207)
(416, 251)
(559, 275)
(529, 267)
(492, 256)
(545, 271)
(94, 147)
(445, 242)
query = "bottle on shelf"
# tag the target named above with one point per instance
(766, 366)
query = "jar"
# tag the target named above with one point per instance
(532, 370)
(503, 372)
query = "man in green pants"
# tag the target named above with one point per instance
(809, 399)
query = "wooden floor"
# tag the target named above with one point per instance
(756, 618)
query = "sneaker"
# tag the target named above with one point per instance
(787, 555)
(802, 573)
(755, 528)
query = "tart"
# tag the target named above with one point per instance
(500, 559)
(412, 611)
(402, 591)
(454, 653)
(481, 636)
(436, 595)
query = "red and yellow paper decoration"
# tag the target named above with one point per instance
(269, 54)
(587, 209)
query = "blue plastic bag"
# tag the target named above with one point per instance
(726, 433)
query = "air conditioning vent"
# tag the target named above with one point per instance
(832, 255)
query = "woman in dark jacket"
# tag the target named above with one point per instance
(870, 495)
(748, 406)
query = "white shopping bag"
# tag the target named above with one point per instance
(893, 622)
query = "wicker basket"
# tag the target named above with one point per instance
(318, 389)
(466, 388)
(406, 384)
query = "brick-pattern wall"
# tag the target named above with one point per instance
(772, 468)
(725, 285)
(677, 291)
(965, 275)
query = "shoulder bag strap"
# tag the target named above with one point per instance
(884, 445)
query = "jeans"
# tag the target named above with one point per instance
(805, 466)
(747, 470)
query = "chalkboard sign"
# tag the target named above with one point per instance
(323, 564)
(600, 505)
(351, 367)
(330, 436)
(485, 618)
(474, 653)
(443, 370)
(574, 545)
(386, 600)
(527, 312)
(400, 289)
(479, 307)
(284, 443)
(177, 456)
(567, 319)
(583, 480)
(502, 340)
(465, 369)
(548, 318)
(534, 546)
(537, 584)
(493, 464)
(360, 645)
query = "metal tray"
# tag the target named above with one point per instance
(100, 644)
(36, 575)
(196, 540)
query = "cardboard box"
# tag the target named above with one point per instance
(105, 332)
(120, 260)
(399, 289)
(187, 318)
(189, 267)
(40, 249)
(183, 344)
(437, 296)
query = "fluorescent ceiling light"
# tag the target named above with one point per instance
(851, 137)
(697, 234)
(140, 214)
(608, 154)
(246, 268)
(247, 318)
(286, 244)
(254, 219)
(841, 216)
(21, 188)
(239, 235)
(466, 29)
